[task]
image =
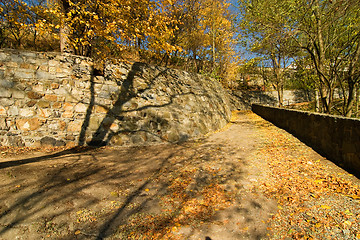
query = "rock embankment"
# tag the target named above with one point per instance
(57, 100)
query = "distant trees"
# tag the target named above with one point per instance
(192, 34)
(325, 31)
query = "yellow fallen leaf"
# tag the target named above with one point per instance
(325, 207)
(319, 181)
(318, 225)
(347, 212)
(347, 223)
(77, 232)
(146, 190)
(279, 207)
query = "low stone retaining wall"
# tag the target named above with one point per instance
(337, 138)
(57, 100)
(241, 99)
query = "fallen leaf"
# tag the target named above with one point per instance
(77, 232)
(325, 207)
(347, 223)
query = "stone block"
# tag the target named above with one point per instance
(62, 75)
(6, 83)
(57, 105)
(31, 103)
(17, 58)
(80, 108)
(2, 111)
(24, 74)
(62, 91)
(54, 85)
(4, 57)
(68, 114)
(18, 94)
(114, 127)
(25, 112)
(12, 64)
(48, 141)
(68, 106)
(70, 144)
(42, 75)
(51, 98)
(74, 126)
(28, 124)
(62, 125)
(45, 113)
(13, 111)
(3, 124)
(60, 143)
(70, 137)
(29, 54)
(38, 88)
(94, 123)
(100, 109)
(43, 104)
(5, 93)
(34, 95)
(15, 141)
(53, 63)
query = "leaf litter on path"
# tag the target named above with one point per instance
(316, 199)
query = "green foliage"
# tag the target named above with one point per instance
(325, 32)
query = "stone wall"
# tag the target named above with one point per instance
(244, 99)
(53, 99)
(337, 138)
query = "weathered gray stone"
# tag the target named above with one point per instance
(24, 74)
(44, 75)
(15, 141)
(18, 94)
(29, 54)
(3, 56)
(5, 93)
(6, 83)
(16, 58)
(60, 143)
(6, 101)
(48, 141)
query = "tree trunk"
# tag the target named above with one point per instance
(317, 101)
(357, 100)
(64, 30)
(280, 92)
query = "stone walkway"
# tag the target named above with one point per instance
(223, 186)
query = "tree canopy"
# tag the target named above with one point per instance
(326, 32)
(195, 35)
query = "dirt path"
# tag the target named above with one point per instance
(229, 185)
